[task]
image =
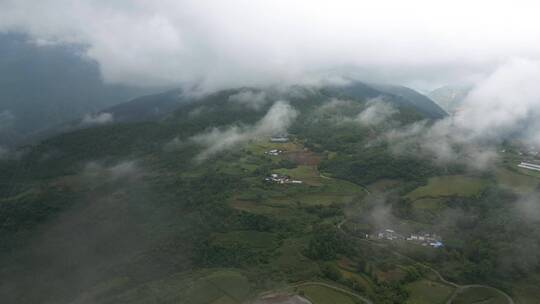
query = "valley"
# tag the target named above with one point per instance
(180, 210)
(269, 152)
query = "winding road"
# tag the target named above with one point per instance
(458, 288)
(462, 288)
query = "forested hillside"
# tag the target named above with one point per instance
(204, 205)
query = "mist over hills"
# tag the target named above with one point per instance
(45, 89)
(269, 152)
(45, 85)
(118, 156)
(157, 106)
(450, 98)
(183, 187)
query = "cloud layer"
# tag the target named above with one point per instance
(506, 102)
(221, 44)
(6, 120)
(376, 112)
(250, 99)
(97, 119)
(277, 120)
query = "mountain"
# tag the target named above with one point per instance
(156, 106)
(134, 201)
(46, 85)
(423, 104)
(187, 200)
(450, 97)
(150, 107)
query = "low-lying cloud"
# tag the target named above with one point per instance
(504, 105)
(214, 45)
(7, 119)
(528, 207)
(124, 170)
(374, 112)
(506, 102)
(277, 120)
(377, 111)
(250, 99)
(98, 119)
(444, 142)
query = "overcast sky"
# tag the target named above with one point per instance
(220, 44)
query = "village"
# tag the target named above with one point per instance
(529, 166)
(274, 152)
(275, 177)
(529, 157)
(424, 239)
(281, 179)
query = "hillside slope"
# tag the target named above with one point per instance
(450, 97)
(423, 104)
(183, 207)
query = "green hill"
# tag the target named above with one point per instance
(177, 208)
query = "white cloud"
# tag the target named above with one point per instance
(250, 99)
(97, 119)
(529, 207)
(223, 44)
(377, 111)
(444, 141)
(218, 140)
(277, 120)
(334, 104)
(506, 102)
(173, 145)
(243, 43)
(124, 170)
(503, 105)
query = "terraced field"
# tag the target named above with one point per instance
(479, 295)
(458, 185)
(428, 292)
(324, 295)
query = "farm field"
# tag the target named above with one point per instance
(249, 238)
(478, 295)
(458, 185)
(526, 291)
(428, 292)
(324, 295)
(207, 286)
(245, 234)
(516, 181)
(307, 174)
(429, 204)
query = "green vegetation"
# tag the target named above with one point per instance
(515, 181)
(249, 238)
(323, 295)
(455, 185)
(203, 287)
(132, 205)
(428, 292)
(308, 174)
(479, 295)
